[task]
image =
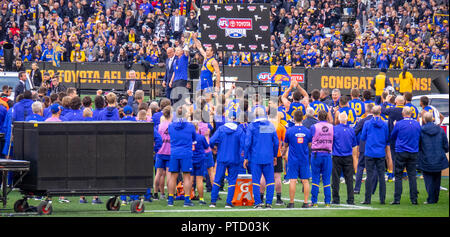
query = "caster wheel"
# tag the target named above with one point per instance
(42, 208)
(21, 205)
(135, 207)
(113, 204)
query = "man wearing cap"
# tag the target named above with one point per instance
(128, 111)
(77, 55)
(56, 112)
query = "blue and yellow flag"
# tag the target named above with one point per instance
(280, 75)
(56, 57)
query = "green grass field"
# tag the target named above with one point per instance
(159, 208)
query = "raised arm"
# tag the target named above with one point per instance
(199, 46)
(284, 99)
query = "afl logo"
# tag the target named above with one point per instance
(213, 37)
(212, 17)
(324, 129)
(263, 76)
(230, 46)
(228, 8)
(253, 47)
(206, 7)
(264, 28)
(251, 8)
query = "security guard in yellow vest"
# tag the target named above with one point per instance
(380, 82)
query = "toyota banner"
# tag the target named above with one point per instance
(236, 27)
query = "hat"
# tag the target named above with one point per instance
(54, 108)
(127, 109)
(46, 74)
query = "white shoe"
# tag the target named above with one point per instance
(285, 181)
(442, 188)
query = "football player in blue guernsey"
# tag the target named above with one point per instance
(356, 103)
(344, 108)
(317, 105)
(296, 103)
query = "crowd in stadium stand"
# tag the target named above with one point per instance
(305, 33)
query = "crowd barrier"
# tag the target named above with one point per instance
(93, 76)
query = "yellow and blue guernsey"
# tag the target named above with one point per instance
(233, 107)
(414, 110)
(206, 82)
(318, 106)
(351, 115)
(358, 106)
(246, 57)
(283, 119)
(290, 113)
(430, 110)
(386, 105)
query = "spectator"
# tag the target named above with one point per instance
(432, 159)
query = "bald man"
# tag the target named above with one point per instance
(406, 134)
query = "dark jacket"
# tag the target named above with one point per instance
(358, 129)
(137, 85)
(394, 113)
(36, 77)
(432, 148)
(20, 88)
(308, 122)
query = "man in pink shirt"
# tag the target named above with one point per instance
(56, 112)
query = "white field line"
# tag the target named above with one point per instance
(250, 209)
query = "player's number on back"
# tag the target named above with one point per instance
(357, 108)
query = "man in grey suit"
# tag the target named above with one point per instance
(177, 24)
(170, 61)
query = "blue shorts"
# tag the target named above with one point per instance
(199, 169)
(209, 160)
(180, 165)
(297, 170)
(162, 161)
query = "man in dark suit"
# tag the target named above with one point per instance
(132, 84)
(169, 70)
(20, 88)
